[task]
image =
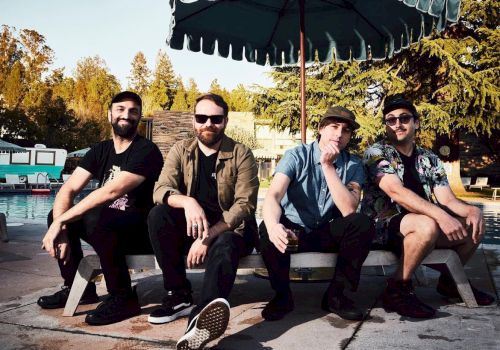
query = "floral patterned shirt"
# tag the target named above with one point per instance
(383, 158)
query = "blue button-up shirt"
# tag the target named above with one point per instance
(308, 201)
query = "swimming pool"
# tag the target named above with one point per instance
(25, 208)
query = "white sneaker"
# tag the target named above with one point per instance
(208, 325)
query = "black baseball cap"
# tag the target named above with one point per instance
(397, 101)
(341, 113)
(127, 95)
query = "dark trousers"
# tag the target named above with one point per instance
(167, 230)
(113, 234)
(348, 236)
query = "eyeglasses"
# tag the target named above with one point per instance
(403, 119)
(214, 119)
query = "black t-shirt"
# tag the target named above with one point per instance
(411, 180)
(142, 157)
(206, 187)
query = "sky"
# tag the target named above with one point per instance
(116, 30)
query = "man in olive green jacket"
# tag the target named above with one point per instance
(206, 196)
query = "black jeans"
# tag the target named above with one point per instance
(167, 230)
(349, 236)
(113, 234)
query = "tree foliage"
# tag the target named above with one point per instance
(180, 103)
(140, 74)
(162, 91)
(453, 78)
(94, 88)
(242, 136)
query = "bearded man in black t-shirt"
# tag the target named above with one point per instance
(206, 196)
(112, 219)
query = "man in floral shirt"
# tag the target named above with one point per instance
(414, 209)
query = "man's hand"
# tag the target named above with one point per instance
(451, 227)
(475, 219)
(197, 224)
(278, 236)
(197, 253)
(63, 250)
(55, 241)
(329, 153)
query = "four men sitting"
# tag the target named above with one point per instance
(206, 199)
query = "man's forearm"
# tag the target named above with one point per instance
(92, 200)
(458, 207)
(342, 197)
(271, 210)
(215, 230)
(177, 200)
(63, 202)
(415, 204)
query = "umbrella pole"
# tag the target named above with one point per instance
(303, 122)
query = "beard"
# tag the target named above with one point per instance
(211, 138)
(126, 131)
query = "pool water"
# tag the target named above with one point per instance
(35, 208)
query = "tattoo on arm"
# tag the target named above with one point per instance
(355, 189)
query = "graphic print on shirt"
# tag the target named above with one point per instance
(122, 202)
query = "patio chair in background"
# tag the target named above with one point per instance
(480, 183)
(466, 181)
(6, 185)
(14, 181)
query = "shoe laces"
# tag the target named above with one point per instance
(64, 292)
(112, 304)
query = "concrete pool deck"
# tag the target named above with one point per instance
(27, 272)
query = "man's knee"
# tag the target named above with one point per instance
(225, 241)
(363, 225)
(157, 218)
(426, 228)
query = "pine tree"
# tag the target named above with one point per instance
(192, 94)
(10, 53)
(13, 91)
(139, 79)
(94, 88)
(180, 103)
(241, 100)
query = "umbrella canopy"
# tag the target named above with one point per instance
(78, 154)
(273, 31)
(7, 147)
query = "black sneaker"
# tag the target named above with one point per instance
(278, 307)
(342, 306)
(400, 297)
(448, 289)
(175, 305)
(58, 299)
(208, 325)
(114, 309)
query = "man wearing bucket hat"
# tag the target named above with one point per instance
(315, 192)
(403, 181)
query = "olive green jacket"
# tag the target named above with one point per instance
(236, 174)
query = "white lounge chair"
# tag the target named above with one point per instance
(480, 183)
(466, 181)
(14, 181)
